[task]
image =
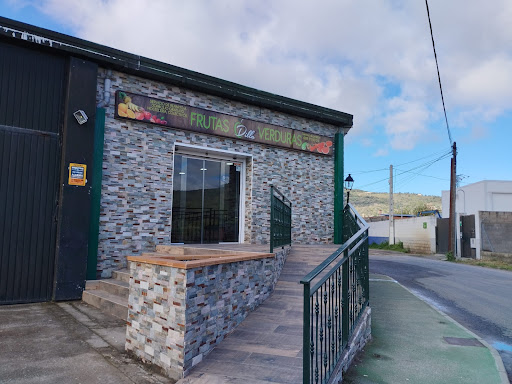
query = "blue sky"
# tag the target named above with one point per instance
(374, 61)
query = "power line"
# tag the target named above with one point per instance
(409, 162)
(426, 157)
(420, 168)
(376, 182)
(438, 75)
(428, 163)
(373, 170)
(420, 174)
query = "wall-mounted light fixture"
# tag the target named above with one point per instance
(80, 116)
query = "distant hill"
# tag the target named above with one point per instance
(373, 204)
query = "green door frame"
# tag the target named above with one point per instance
(97, 174)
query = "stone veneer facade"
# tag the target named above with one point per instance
(177, 316)
(136, 197)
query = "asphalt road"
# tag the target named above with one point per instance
(478, 298)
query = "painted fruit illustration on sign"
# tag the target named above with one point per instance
(127, 108)
(322, 147)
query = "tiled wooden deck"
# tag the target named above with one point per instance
(267, 346)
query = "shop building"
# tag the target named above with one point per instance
(105, 154)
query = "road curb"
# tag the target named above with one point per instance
(497, 358)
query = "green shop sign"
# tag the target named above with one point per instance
(149, 110)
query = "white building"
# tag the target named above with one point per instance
(473, 199)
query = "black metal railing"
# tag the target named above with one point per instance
(335, 296)
(280, 219)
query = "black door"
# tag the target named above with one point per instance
(31, 98)
(442, 238)
(468, 232)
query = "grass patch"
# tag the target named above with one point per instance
(399, 247)
(488, 264)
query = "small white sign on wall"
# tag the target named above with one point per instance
(472, 242)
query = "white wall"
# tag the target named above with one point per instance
(409, 231)
(487, 195)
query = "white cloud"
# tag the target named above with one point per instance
(336, 53)
(381, 152)
(366, 142)
(488, 83)
(406, 123)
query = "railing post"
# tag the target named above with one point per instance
(290, 225)
(367, 268)
(306, 336)
(272, 229)
(345, 284)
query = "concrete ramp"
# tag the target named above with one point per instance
(267, 345)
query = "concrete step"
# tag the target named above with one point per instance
(122, 275)
(116, 287)
(107, 302)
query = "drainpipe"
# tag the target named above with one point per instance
(97, 165)
(106, 91)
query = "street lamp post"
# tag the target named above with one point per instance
(349, 182)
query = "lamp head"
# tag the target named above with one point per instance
(349, 182)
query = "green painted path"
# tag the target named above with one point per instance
(414, 343)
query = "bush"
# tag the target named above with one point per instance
(450, 257)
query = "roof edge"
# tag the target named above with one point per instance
(112, 58)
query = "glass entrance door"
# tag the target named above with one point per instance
(206, 200)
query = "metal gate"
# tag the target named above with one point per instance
(31, 99)
(442, 235)
(467, 230)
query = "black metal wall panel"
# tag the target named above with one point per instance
(31, 109)
(468, 232)
(29, 168)
(31, 84)
(442, 239)
(75, 201)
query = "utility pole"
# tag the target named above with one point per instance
(452, 230)
(391, 208)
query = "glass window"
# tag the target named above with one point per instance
(206, 200)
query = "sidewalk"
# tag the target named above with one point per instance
(66, 343)
(414, 343)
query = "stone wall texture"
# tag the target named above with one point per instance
(496, 228)
(136, 198)
(155, 330)
(177, 316)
